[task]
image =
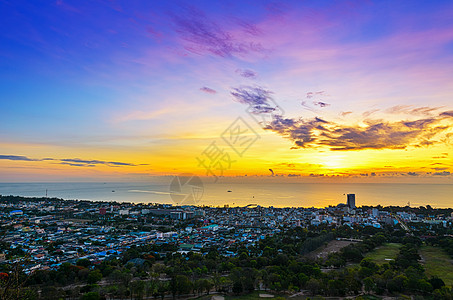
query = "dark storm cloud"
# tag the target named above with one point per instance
(208, 90)
(258, 98)
(204, 35)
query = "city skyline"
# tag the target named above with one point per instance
(110, 90)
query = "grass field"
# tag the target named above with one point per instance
(255, 296)
(324, 251)
(437, 263)
(252, 296)
(382, 254)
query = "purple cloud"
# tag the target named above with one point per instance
(378, 135)
(317, 132)
(257, 98)
(314, 94)
(68, 161)
(444, 173)
(369, 112)
(299, 131)
(17, 157)
(77, 165)
(321, 104)
(447, 113)
(95, 162)
(208, 90)
(247, 73)
(410, 110)
(345, 113)
(204, 35)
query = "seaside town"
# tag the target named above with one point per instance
(50, 232)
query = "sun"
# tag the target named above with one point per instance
(333, 161)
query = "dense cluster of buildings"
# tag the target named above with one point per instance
(44, 233)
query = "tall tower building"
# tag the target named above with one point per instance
(351, 201)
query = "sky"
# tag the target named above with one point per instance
(127, 90)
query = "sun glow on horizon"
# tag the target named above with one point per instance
(314, 90)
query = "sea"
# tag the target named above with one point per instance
(276, 194)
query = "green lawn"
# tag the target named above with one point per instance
(252, 296)
(255, 296)
(386, 251)
(437, 263)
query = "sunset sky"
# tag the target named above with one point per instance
(125, 90)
